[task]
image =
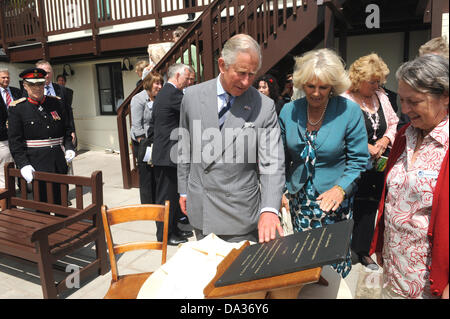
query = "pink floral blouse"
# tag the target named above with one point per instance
(406, 250)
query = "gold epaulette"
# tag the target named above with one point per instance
(54, 96)
(14, 103)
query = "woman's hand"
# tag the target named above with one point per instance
(382, 144)
(374, 151)
(331, 199)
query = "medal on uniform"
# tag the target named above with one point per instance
(55, 115)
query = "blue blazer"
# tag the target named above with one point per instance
(341, 145)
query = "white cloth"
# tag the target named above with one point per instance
(189, 271)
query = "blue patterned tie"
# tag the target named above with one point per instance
(223, 111)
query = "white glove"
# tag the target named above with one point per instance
(70, 155)
(27, 173)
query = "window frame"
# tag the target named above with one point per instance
(113, 87)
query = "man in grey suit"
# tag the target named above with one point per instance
(230, 155)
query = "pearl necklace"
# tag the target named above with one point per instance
(376, 122)
(321, 117)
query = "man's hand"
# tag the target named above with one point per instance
(27, 173)
(183, 204)
(70, 155)
(268, 224)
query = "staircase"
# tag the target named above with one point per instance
(278, 26)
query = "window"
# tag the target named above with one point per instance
(110, 87)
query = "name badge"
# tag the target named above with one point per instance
(427, 174)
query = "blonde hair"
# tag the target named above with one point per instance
(366, 68)
(140, 65)
(437, 46)
(324, 65)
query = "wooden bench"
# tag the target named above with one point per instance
(43, 232)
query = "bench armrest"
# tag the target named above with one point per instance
(4, 193)
(86, 213)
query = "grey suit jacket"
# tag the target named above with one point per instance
(141, 115)
(228, 175)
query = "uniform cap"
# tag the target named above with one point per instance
(33, 75)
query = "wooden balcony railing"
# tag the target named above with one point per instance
(265, 20)
(23, 21)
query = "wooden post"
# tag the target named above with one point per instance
(208, 66)
(158, 20)
(46, 270)
(43, 30)
(328, 41)
(93, 17)
(3, 27)
(438, 7)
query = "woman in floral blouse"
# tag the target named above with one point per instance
(411, 238)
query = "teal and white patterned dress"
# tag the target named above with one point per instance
(305, 211)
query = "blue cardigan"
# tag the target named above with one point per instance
(341, 145)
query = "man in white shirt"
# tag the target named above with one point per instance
(8, 95)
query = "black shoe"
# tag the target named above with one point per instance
(368, 262)
(191, 16)
(175, 241)
(185, 234)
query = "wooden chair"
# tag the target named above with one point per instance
(128, 286)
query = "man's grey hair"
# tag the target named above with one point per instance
(237, 44)
(426, 74)
(4, 70)
(178, 68)
(43, 62)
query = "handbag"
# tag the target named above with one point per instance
(145, 151)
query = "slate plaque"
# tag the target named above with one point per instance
(299, 251)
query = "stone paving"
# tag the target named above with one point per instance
(20, 279)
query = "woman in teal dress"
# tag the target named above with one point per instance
(325, 143)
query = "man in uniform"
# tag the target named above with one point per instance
(38, 128)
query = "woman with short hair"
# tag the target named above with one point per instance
(367, 74)
(411, 237)
(325, 144)
(141, 107)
